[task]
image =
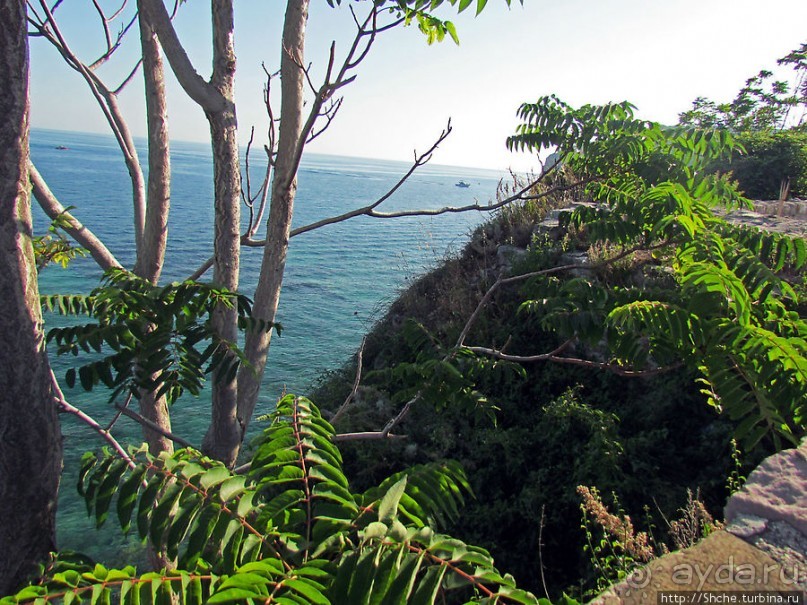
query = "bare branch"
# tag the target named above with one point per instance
(555, 356)
(128, 78)
(152, 425)
(356, 383)
(500, 354)
(118, 413)
(329, 114)
(366, 436)
(66, 407)
(370, 210)
(111, 46)
(329, 86)
(265, 186)
(355, 18)
(246, 196)
(104, 24)
(271, 150)
(83, 236)
(389, 26)
(363, 31)
(202, 270)
(400, 416)
(107, 101)
(617, 369)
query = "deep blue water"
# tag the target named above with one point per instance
(338, 280)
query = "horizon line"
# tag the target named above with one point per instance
(242, 147)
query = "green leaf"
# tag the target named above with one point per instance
(388, 506)
(452, 31)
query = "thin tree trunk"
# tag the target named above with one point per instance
(216, 98)
(151, 255)
(284, 188)
(30, 440)
(224, 434)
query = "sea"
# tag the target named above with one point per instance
(339, 279)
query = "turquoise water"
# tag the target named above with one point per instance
(339, 279)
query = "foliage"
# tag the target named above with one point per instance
(762, 104)
(558, 427)
(694, 309)
(54, 246)
(614, 546)
(731, 318)
(617, 550)
(150, 337)
(735, 479)
(440, 376)
(420, 12)
(768, 117)
(695, 523)
(770, 159)
(290, 531)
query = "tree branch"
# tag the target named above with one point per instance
(420, 160)
(370, 209)
(152, 425)
(366, 436)
(206, 95)
(554, 356)
(356, 382)
(81, 234)
(503, 281)
(66, 407)
(107, 101)
(111, 47)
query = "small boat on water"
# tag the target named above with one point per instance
(61, 147)
(463, 184)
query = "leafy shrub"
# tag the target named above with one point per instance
(289, 531)
(771, 158)
(702, 314)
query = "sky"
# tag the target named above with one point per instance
(657, 54)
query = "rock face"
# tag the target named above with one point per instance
(763, 548)
(794, 207)
(770, 511)
(719, 564)
(776, 491)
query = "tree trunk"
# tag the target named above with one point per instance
(30, 440)
(151, 256)
(284, 188)
(224, 434)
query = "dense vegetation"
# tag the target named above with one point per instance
(769, 119)
(622, 348)
(644, 281)
(557, 426)
(771, 159)
(647, 438)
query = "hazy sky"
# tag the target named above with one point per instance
(658, 54)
